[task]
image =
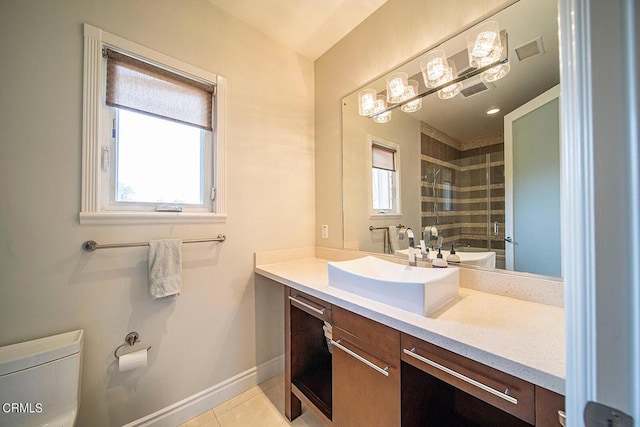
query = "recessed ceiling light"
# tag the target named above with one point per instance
(492, 111)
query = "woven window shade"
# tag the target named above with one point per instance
(383, 158)
(138, 86)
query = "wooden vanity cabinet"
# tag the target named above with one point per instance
(548, 404)
(377, 376)
(307, 361)
(366, 372)
(443, 388)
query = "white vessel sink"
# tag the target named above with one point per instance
(416, 289)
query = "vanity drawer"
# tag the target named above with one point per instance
(476, 379)
(377, 339)
(365, 371)
(311, 305)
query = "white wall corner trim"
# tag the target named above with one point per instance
(578, 206)
(192, 406)
(91, 211)
(601, 209)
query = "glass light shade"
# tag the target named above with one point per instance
(493, 56)
(481, 40)
(433, 67)
(396, 85)
(380, 105)
(450, 91)
(495, 73)
(410, 92)
(366, 102)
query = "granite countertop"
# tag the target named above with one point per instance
(522, 338)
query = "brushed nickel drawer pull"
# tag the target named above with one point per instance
(464, 378)
(315, 310)
(384, 371)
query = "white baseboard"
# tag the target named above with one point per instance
(193, 406)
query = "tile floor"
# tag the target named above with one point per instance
(260, 406)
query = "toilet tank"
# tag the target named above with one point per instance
(40, 381)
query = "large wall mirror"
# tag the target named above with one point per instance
(478, 170)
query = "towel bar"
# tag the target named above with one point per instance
(92, 245)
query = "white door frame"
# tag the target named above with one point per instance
(523, 110)
(601, 204)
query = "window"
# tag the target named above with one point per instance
(153, 137)
(385, 194)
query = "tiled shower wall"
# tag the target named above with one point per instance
(469, 193)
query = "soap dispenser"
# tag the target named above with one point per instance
(439, 262)
(453, 257)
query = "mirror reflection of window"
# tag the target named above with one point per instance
(384, 178)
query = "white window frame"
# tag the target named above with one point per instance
(95, 207)
(396, 213)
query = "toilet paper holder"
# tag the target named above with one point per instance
(130, 340)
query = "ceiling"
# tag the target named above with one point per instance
(309, 27)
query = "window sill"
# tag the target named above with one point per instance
(137, 218)
(386, 216)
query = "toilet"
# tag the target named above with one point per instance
(40, 381)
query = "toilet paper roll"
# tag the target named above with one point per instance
(133, 360)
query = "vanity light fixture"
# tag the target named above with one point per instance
(411, 91)
(366, 102)
(450, 91)
(434, 67)
(381, 105)
(437, 70)
(484, 47)
(482, 41)
(495, 73)
(396, 86)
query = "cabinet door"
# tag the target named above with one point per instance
(366, 372)
(548, 404)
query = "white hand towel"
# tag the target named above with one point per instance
(393, 238)
(165, 268)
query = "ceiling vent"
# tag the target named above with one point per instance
(529, 49)
(474, 89)
(474, 86)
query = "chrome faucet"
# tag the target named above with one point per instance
(430, 232)
(412, 244)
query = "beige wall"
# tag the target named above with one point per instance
(397, 31)
(403, 130)
(221, 325)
